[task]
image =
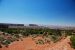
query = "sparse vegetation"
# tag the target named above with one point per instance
(72, 39)
(40, 41)
(48, 34)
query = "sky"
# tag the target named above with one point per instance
(47, 12)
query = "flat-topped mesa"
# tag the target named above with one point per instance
(33, 25)
(9, 25)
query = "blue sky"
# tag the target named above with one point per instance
(47, 12)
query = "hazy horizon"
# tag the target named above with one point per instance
(45, 12)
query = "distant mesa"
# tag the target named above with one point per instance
(33, 25)
(10, 25)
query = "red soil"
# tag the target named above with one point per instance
(29, 44)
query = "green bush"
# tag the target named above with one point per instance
(2, 38)
(40, 41)
(54, 38)
(6, 42)
(72, 39)
(68, 32)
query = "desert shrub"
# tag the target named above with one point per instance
(40, 41)
(17, 35)
(54, 38)
(25, 34)
(72, 39)
(47, 39)
(14, 38)
(34, 35)
(68, 32)
(6, 42)
(2, 38)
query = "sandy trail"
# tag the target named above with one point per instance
(29, 44)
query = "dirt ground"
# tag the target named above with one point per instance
(29, 44)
